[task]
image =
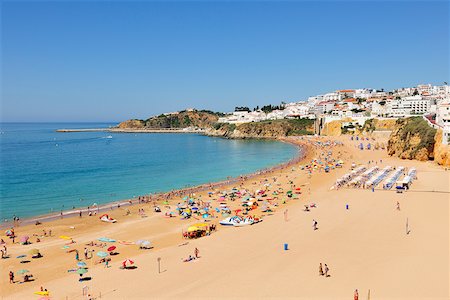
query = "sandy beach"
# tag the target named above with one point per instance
(372, 246)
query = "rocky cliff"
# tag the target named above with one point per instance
(183, 119)
(412, 138)
(441, 151)
(265, 129)
(335, 128)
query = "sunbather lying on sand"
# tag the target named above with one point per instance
(189, 258)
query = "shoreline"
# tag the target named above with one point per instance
(302, 151)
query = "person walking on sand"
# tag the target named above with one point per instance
(326, 271)
(356, 295)
(77, 256)
(320, 270)
(11, 277)
(196, 252)
(86, 253)
(314, 224)
(398, 205)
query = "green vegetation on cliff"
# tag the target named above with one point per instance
(265, 129)
(412, 138)
(182, 119)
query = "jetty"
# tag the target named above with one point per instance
(134, 130)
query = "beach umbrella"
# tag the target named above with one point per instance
(22, 271)
(105, 239)
(24, 239)
(112, 248)
(102, 254)
(82, 271)
(65, 237)
(8, 232)
(21, 256)
(193, 228)
(81, 264)
(145, 244)
(34, 252)
(138, 242)
(127, 262)
(65, 247)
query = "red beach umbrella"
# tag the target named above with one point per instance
(112, 248)
(127, 262)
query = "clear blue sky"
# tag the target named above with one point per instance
(110, 61)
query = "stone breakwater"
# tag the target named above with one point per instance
(133, 130)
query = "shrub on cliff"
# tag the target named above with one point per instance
(412, 138)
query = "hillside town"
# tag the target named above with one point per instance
(430, 101)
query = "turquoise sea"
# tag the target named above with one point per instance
(43, 171)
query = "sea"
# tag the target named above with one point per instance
(43, 171)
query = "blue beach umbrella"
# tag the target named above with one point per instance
(105, 239)
(102, 254)
(81, 264)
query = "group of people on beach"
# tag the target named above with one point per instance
(323, 270)
(191, 191)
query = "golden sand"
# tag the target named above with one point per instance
(366, 247)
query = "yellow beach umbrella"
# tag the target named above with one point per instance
(34, 251)
(193, 228)
(200, 225)
(42, 293)
(65, 237)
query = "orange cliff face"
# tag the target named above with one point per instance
(441, 151)
(135, 124)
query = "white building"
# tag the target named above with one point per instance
(343, 94)
(243, 117)
(296, 111)
(331, 97)
(363, 93)
(443, 114)
(407, 106)
(324, 106)
(314, 100)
